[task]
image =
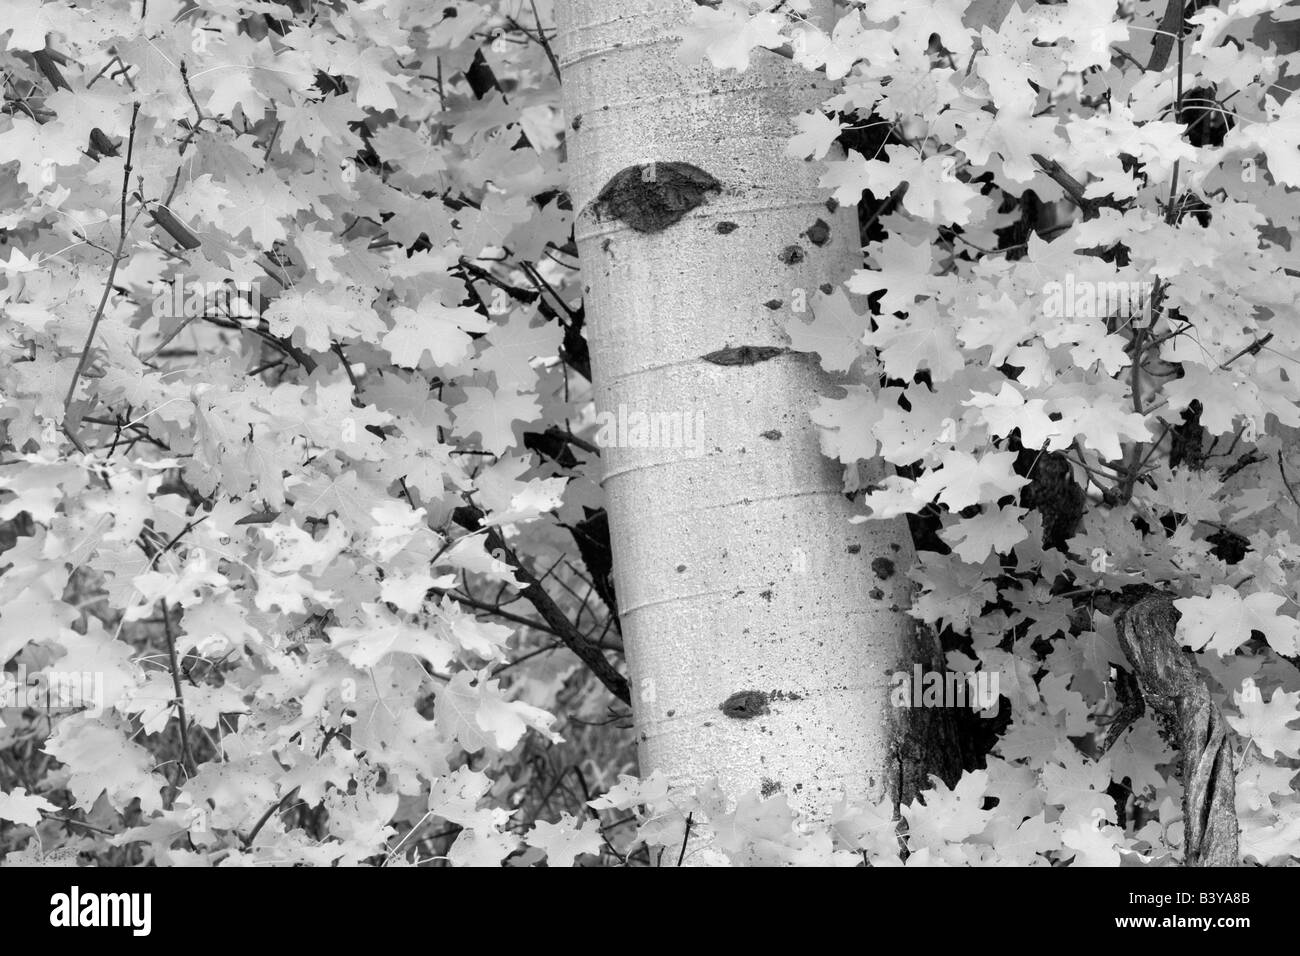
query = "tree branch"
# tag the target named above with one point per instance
(470, 518)
(1172, 685)
(112, 269)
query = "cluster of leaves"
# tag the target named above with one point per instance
(284, 296)
(1138, 338)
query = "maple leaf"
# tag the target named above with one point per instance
(1271, 843)
(563, 841)
(29, 21)
(835, 333)
(481, 848)
(478, 716)
(816, 134)
(19, 806)
(1078, 785)
(1009, 410)
(432, 329)
(1223, 396)
(870, 829)
(965, 480)
(923, 339)
(997, 531)
(102, 761)
(1093, 845)
(1279, 139)
(1265, 724)
(848, 424)
(631, 791)
(1223, 621)
(491, 416)
(375, 633)
(954, 591)
(727, 35)
(456, 798)
(941, 817)
(934, 193)
(904, 274)
(852, 176)
(512, 345)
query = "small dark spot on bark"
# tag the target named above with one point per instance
(876, 594)
(771, 434)
(826, 288)
(895, 547)
(785, 695)
(766, 595)
(774, 304)
(883, 568)
(576, 123)
(832, 205)
(652, 197)
(604, 246)
(726, 227)
(743, 355)
(791, 254)
(745, 704)
(681, 568)
(769, 787)
(672, 713)
(819, 233)
(853, 548)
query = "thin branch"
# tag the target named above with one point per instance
(112, 269)
(1286, 481)
(541, 38)
(469, 517)
(187, 765)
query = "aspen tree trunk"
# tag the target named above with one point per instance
(761, 626)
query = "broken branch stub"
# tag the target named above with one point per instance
(651, 197)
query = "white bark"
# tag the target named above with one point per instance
(736, 569)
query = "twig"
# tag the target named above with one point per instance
(541, 38)
(1282, 468)
(112, 269)
(187, 758)
(257, 827)
(1073, 188)
(690, 820)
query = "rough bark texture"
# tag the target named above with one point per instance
(1173, 687)
(759, 638)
